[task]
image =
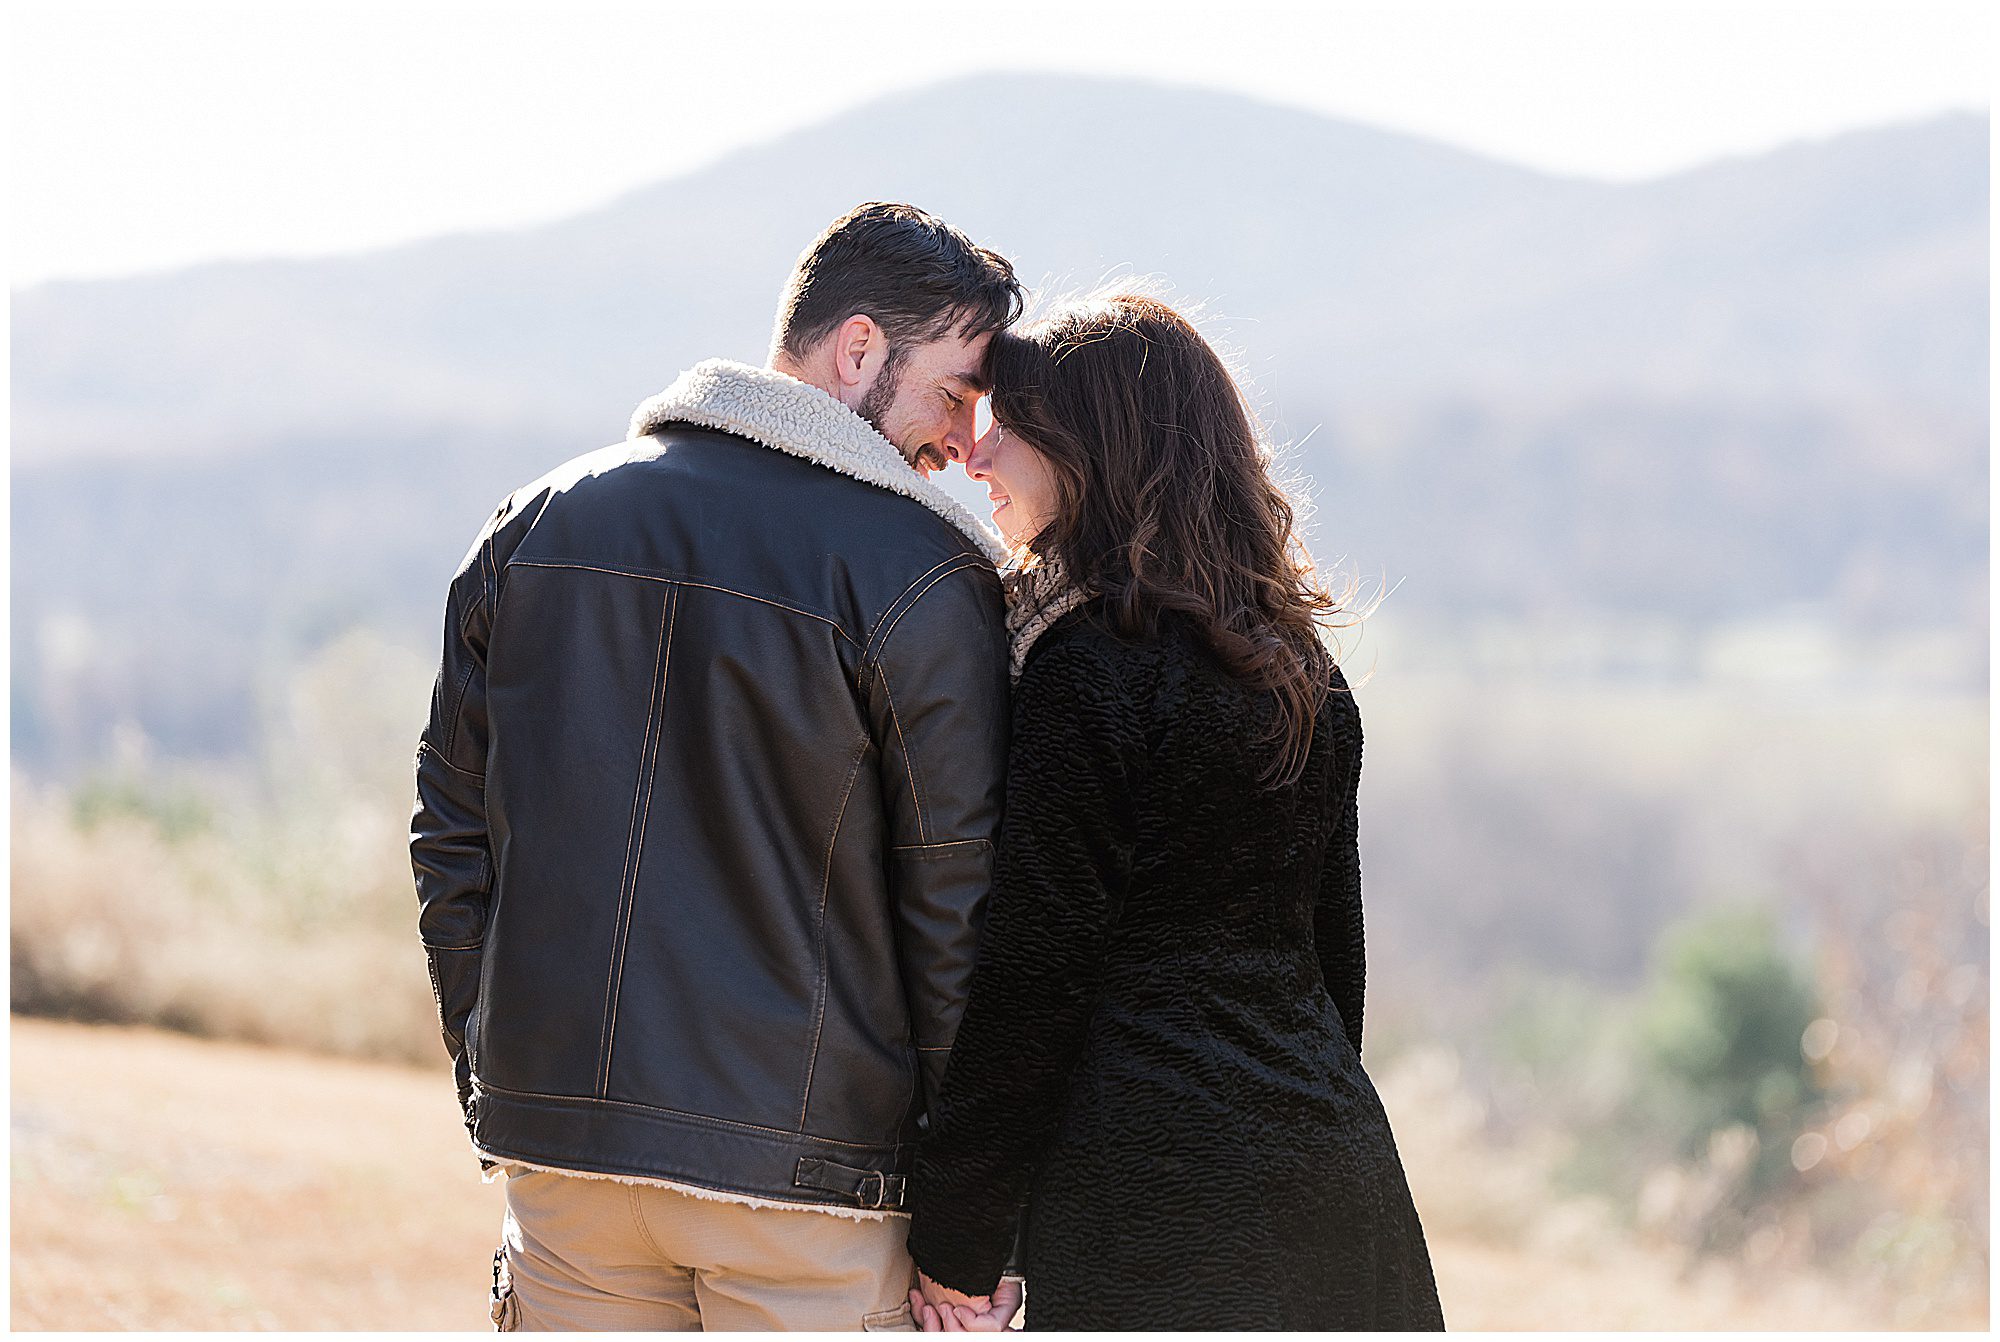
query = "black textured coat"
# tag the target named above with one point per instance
(1160, 1054)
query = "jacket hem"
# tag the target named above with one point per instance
(703, 1158)
(499, 1171)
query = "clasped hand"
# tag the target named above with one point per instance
(939, 1309)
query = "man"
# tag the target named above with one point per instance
(705, 811)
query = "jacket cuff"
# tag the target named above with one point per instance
(968, 1263)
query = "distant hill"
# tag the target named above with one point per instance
(1759, 384)
(1365, 264)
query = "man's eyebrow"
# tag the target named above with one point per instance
(974, 381)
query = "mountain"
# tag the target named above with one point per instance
(1373, 263)
(1757, 385)
(570, 324)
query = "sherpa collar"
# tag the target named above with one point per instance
(779, 411)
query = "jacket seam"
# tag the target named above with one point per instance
(942, 843)
(472, 607)
(819, 931)
(892, 608)
(468, 946)
(457, 708)
(635, 836)
(909, 766)
(675, 580)
(971, 562)
(688, 1114)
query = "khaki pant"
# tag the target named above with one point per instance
(597, 1255)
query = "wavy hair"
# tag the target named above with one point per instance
(1165, 503)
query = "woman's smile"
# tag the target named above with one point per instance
(1013, 473)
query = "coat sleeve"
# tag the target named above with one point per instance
(449, 848)
(1065, 855)
(937, 702)
(1337, 922)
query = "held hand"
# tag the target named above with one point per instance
(931, 1318)
(938, 1296)
(1006, 1302)
(954, 1312)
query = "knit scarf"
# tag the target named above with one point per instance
(1036, 598)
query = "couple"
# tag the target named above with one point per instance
(829, 931)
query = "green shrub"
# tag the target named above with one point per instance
(1719, 1033)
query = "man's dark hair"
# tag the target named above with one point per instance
(916, 275)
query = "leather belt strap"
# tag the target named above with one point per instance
(872, 1189)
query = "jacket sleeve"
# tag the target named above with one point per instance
(1065, 855)
(1337, 921)
(937, 700)
(449, 848)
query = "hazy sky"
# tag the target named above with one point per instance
(159, 134)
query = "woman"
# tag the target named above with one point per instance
(1159, 1055)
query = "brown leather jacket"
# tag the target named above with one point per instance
(705, 813)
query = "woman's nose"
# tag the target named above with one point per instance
(980, 458)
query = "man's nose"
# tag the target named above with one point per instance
(959, 440)
(963, 435)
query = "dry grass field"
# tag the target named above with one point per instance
(164, 1182)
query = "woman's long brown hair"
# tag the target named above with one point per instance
(1165, 505)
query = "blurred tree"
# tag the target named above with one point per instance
(1684, 1099)
(1720, 1035)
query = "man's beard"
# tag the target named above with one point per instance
(883, 394)
(875, 405)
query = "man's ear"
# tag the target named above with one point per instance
(858, 350)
